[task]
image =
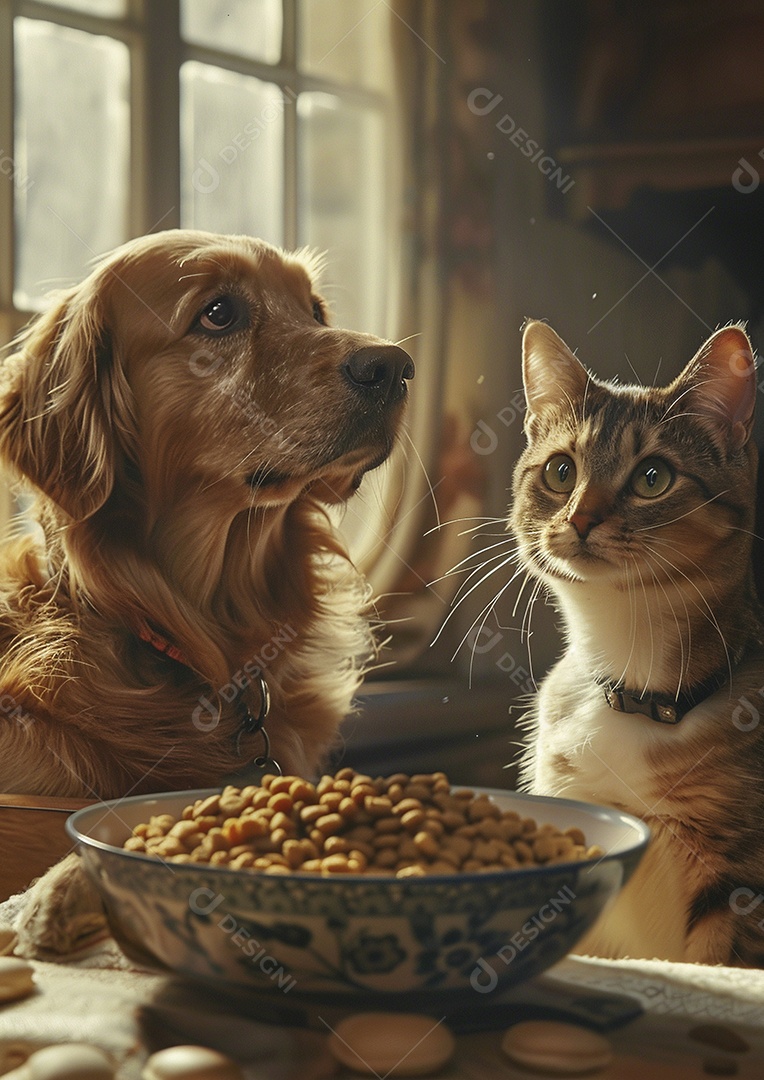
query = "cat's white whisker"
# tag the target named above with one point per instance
(709, 613)
(457, 521)
(684, 654)
(502, 558)
(461, 565)
(418, 456)
(651, 541)
(477, 585)
(525, 628)
(632, 623)
(486, 610)
(526, 579)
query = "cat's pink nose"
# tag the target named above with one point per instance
(583, 521)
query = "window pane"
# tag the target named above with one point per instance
(106, 9)
(342, 183)
(245, 27)
(347, 40)
(72, 143)
(232, 153)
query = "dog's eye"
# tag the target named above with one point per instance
(223, 314)
(318, 312)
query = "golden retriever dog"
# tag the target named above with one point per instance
(184, 416)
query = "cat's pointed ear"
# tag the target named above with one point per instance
(719, 384)
(551, 373)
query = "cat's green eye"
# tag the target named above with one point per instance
(560, 473)
(651, 478)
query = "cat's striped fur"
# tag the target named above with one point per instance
(656, 592)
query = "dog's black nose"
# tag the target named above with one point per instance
(381, 369)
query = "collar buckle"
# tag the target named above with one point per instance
(655, 706)
(252, 724)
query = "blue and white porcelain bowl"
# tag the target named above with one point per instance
(341, 935)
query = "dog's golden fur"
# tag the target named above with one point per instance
(181, 472)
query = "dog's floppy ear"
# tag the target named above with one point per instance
(55, 409)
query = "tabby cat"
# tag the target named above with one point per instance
(634, 507)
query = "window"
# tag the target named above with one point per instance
(256, 116)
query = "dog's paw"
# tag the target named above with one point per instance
(61, 913)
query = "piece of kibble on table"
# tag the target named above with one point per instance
(16, 978)
(190, 1063)
(552, 1048)
(65, 1061)
(392, 1044)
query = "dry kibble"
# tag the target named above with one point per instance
(386, 857)
(336, 845)
(352, 824)
(280, 783)
(556, 1049)
(16, 978)
(426, 844)
(386, 840)
(190, 1063)
(210, 805)
(417, 791)
(335, 864)
(169, 846)
(378, 806)
(329, 824)
(309, 814)
(392, 1044)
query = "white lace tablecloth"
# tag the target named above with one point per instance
(98, 997)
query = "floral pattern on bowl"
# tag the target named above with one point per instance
(355, 933)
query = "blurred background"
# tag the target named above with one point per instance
(465, 164)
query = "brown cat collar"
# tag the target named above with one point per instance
(663, 708)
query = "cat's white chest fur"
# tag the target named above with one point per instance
(585, 750)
